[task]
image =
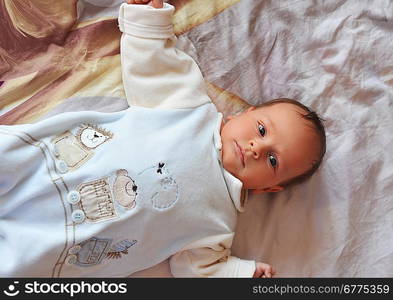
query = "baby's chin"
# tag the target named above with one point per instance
(230, 166)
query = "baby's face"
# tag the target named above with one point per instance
(265, 146)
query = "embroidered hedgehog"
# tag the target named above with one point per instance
(91, 136)
(75, 150)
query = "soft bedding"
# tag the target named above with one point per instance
(334, 56)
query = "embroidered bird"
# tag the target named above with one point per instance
(160, 166)
(116, 250)
(157, 183)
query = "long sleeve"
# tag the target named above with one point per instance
(210, 257)
(155, 73)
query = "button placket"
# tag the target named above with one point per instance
(62, 166)
(71, 259)
(73, 197)
(75, 249)
(55, 150)
(78, 216)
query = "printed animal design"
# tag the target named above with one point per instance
(161, 187)
(125, 189)
(92, 136)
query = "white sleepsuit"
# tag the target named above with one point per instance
(89, 194)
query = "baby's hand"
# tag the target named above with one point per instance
(263, 270)
(154, 3)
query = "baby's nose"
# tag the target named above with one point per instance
(255, 149)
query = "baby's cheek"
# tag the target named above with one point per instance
(256, 177)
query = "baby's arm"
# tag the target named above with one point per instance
(155, 73)
(210, 257)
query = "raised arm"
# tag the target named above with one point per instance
(155, 73)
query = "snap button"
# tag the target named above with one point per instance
(78, 216)
(73, 197)
(75, 249)
(62, 166)
(71, 259)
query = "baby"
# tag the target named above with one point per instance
(89, 194)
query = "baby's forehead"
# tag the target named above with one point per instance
(292, 116)
(278, 111)
(282, 106)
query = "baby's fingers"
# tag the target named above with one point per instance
(137, 1)
(157, 3)
(269, 272)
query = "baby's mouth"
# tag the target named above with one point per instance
(240, 153)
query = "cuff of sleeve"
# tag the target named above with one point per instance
(240, 267)
(146, 21)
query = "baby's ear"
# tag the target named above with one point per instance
(251, 108)
(228, 118)
(273, 189)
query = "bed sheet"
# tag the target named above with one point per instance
(334, 56)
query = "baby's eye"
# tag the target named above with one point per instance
(272, 160)
(261, 129)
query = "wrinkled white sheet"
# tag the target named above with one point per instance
(337, 57)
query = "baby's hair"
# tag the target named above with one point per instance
(316, 122)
